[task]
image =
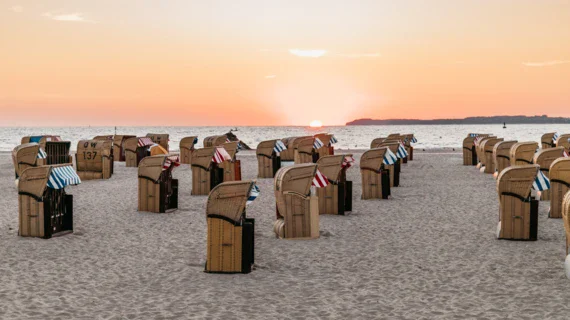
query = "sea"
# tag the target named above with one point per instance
(349, 137)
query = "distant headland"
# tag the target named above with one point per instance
(469, 120)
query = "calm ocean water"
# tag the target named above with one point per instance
(349, 137)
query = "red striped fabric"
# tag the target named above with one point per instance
(171, 161)
(144, 141)
(221, 155)
(347, 162)
(320, 181)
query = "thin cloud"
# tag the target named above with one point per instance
(357, 55)
(17, 9)
(72, 17)
(545, 63)
(311, 53)
(271, 76)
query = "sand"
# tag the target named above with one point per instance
(430, 252)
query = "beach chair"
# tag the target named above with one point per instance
(336, 197)
(297, 206)
(136, 149)
(215, 141)
(161, 139)
(376, 143)
(119, 147)
(566, 219)
(544, 158)
(375, 178)
(395, 168)
(187, 145)
(523, 153)
(45, 209)
(305, 151)
(291, 143)
(502, 156)
(479, 150)
(327, 149)
(546, 140)
(487, 160)
(232, 168)
(563, 141)
(206, 174)
(57, 150)
(27, 155)
(230, 242)
(559, 185)
(158, 191)
(408, 138)
(518, 211)
(94, 159)
(268, 160)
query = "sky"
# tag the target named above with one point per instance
(279, 62)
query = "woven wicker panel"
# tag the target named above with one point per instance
(151, 167)
(203, 157)
(265, 148)
(30, 217)
(566, 219)
(331, 166)
(562, 141)
(487, 147)
(545, 158)
(215, 141)
(523, 153)
(187, 143)
(479, 148)
(231, 148)
(296, 178)
(502, 155)
(514, 215)
(34, 180)
(373, 158)
(517, 180)
(546, 140)
(224, 251)
(324, 137)
(228, 199)
(392, 145)
(25, 156)
(90, 154)
(376, 143)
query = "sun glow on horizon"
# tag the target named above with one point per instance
(316, 124)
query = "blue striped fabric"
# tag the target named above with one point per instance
(414, 140)
(41, 154)
(555, 137)
(334, 140)
(195, 140)
(253, 194)
(318, 143)
(60, 177)
(279, 146)
(389, 157)
(473, 135)
(541, 182)
(402, 153)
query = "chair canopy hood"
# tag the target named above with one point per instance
(203, 157)
(215, 141)
(296, 178)
(373, 159)
(331, 166)
(517, 180)
(228, 199)
(545, 157)
(188, 142)
(265, 148)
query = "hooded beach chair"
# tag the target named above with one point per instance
(563, 141)
(544, 158)
(487, 161)
(523, 153)
(395, 168)
(136, 149)
(291, 143)
(547, 140)
(231, 166)
(559, 185)
(215, 141)
(206, 173)
(479, 143)
(268, 158)
(297, 207)
(566, 219)
(119, 147)
(158, 191)
(518, 211)
(375, 178)
(57, 150)
(94, 159)
(469, 154)
(376, 143)
(336, 197)
(327, 149)
(161, 139)
(45, 209)
(27, 155)
(230, 243)
(305, 151)
(187, 145)
(502, 156)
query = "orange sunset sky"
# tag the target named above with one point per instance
(264, 62)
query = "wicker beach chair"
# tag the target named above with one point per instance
(45, 209)
(566, 219)
(375, 178)
(305, 151)
(57, 150)
(563, 141)
(544, 158)
(206, 174)
(488, 160)
(158, 191)
(546, 140)
(161, 139)
(336, 197)
(232, 168)
(297, 208)
(559, 185)
(136, 149)
(187, 146)
(376, 143)
(523, 153)
(518, 213)
(119, 147)
(230, 247)
(94, 159)
(469, 152)
(215, 141)
(268, 160)
(395, 168)
(291, 143)
(27, 155)
(407, 139)
(327, 149)
(502, 156)
(480, 152)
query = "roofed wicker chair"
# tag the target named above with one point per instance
(206, 174)
(232, 168)
(297, 208)
(136, 149)
(305, 151)
(563, 141)
(291, 143)
(45, 209)
(162, 139)
(215, 141)
(395, 168)
(25, 156)
(376, 143)
(94, 159)
(268, 160)
(518, 211)
(119, 147)
(559, 185)
(375, 178)
(57, 150)
(187, 146)
(327, 149)
(544, 158)
(158, 191)
(230, 242)
(502, 156)
(480, 152)
(546, 140)
(469, 152)
(407, 140)
(523, 153)
(566, 219)
(488, 160)
(336, 197)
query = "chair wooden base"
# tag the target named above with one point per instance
(203, 181)
(48, 218)
(518, 218)
(157, 197)
(375, 185)
(230, 247)
(557, 191)
(335, 198)
(267, 166)
(301, 219)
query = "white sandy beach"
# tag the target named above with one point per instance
(428, 253)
